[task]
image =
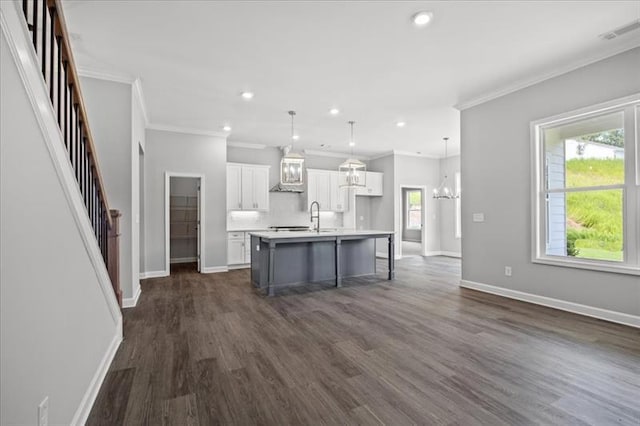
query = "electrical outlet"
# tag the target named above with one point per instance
(507, 271)
(43, 412)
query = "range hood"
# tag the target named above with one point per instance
(287, 188)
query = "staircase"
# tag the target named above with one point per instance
(45, 22)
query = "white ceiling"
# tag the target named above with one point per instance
(366, 58)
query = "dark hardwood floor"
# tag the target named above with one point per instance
(207, 349)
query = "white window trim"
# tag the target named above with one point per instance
(631, 190)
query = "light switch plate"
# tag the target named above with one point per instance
(478, 217)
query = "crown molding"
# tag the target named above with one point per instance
(631, 44)
(103, 75)
(247, 145)
(330, 154)
(187, 130)
(415, 154)
(381, 155)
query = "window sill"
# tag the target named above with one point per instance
(592, 266)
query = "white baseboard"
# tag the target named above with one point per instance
(452, 254)
(443, 253)
(576, 308)
(183, 260)
(242, 266)
(89, 398)
(131, 302)
(215, 269)
(153, 274)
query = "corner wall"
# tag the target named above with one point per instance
(496, 171)
(449, 244)
(185, 153)
(109, 106)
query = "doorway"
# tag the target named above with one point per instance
(183, 222)
(412, 233)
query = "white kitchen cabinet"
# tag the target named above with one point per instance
(339, 196)
(247, 187)
(323, 186)
(238, 248)
(235, 251)
(373, 185)
(247, 247)
(319, 188)
(234, 187)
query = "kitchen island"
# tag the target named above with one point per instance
(280, 259)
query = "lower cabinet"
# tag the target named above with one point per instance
(238, 248)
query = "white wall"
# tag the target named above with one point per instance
(448, 242)
(185, 153)
(55, 323)
(109, 106)
(496, 158)
(419, 171)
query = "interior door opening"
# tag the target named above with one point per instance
(412, 222)
(184, 223)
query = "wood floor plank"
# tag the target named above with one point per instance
(211, 350)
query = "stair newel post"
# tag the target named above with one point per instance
(113, 254)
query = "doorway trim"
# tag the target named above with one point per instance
(400, 221)
(167, 218)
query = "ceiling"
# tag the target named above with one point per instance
(194, 58)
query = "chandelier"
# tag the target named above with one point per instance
(353, 172)
(292, 163)
(444, 191)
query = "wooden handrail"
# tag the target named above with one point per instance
(49, 36)
(73, 78)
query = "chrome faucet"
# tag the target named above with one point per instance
(316, 216)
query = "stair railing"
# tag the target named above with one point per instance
(45, 21)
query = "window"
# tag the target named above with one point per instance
(586, 192)
(414, 209)
(458, 207)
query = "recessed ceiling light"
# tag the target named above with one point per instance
(295, 137)
(401, 124)
(352, 143)
(247, 95)
(422, 19)
(226, 128)
(334, 111)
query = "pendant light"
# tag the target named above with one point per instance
(353, 172)
(444, 191)
(292, 163)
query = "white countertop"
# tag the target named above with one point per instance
(311, 234)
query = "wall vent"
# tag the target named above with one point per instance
(610, 35)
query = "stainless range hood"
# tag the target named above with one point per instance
(287, 188)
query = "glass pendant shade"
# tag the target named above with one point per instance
(352, 174)
(292, 169)
(292, 163)
(444, 191)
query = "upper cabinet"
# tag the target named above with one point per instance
(373, 185)
(323, 187)
(234, 187)
(247, 187)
